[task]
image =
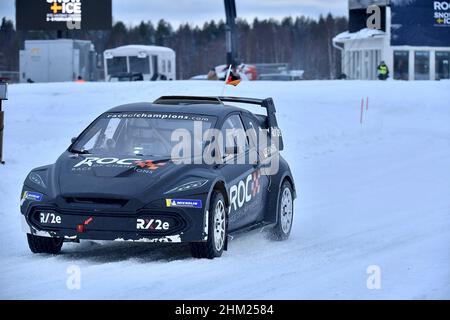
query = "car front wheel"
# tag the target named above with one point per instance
(217, 230)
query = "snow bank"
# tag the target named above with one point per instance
(361, 34)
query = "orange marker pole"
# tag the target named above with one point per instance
(362, 111)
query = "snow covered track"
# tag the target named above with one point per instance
(371, 194)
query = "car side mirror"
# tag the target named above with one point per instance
(73, 140)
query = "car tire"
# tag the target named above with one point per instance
(39, 244)
(285, 213)
(217, 230)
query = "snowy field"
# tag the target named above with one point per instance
(376, 194)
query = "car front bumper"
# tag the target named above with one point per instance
(144, 225)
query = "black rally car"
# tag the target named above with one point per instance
(120, 180)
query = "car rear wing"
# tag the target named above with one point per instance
(267, 103)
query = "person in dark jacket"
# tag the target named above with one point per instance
(212, 75)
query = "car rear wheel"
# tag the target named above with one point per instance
(285, 213)
(39, 244)
(217, 230)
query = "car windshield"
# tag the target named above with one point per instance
(141, 133)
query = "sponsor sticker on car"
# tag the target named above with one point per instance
(35, 196)
(184, 203)
(152, 224)
(49, 218)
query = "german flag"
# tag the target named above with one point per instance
(232, 82)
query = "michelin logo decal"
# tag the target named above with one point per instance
(35, 196)
(184, 203)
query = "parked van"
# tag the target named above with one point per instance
(139, 62)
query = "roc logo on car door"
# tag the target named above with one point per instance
(245, 190)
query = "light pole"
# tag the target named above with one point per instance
(230, 28)
(3, 96)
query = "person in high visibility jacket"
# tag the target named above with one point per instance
(383, 71)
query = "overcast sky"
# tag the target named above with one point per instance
(199, 11)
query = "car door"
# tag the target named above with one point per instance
(261, 179)
(239, 174)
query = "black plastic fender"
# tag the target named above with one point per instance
(284, 172)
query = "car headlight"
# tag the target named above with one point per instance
(188, 186)
(37, 179)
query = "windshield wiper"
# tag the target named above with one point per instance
(152, 155)
(80, 151)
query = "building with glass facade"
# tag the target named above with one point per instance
(411, 36)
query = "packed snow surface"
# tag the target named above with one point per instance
(371, 194)
(361, 34)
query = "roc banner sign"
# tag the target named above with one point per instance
(420, 23)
